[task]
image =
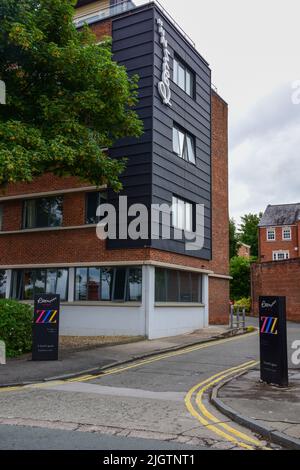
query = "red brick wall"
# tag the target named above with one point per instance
(266, 247)
(244, 251)
(218, 301)
(278, 278)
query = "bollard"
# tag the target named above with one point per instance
(2, 353)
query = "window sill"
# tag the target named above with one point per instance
(178, 304)
(47, 229)
(183, 159)
(86, 303)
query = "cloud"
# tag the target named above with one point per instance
(265, 155)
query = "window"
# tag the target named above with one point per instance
(184, 77)
(1, 218)
(182, 214)
(177, 286)
(286, 233)
(108, 284)
(280, 255)
(3, 277)
(93, 201)
(29, 282)
(183, 145)
(43, 212)
(271, 234)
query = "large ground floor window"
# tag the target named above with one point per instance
(26, 283)
(2, 284)
(177, 286)
(119, 284)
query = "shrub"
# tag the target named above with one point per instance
(240, 272)
(16, 327)
(244, 302)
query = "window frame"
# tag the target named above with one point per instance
(177, 63)
(271, 230)
(101, 195)
(187, 137)
(20, 289)
(163, 286)
(287, 229)
(285, 253)
(188, 207)
(37, 226)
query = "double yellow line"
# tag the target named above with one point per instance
(134, 365)
(195, 405)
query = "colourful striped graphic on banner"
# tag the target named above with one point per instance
(269, 325)
(46, 316)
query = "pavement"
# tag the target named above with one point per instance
(270, 410)
(71, 363)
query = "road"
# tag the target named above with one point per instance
(157, 403)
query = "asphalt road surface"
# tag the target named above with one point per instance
(158, 403)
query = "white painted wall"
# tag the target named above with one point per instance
(80, 320)
(173, 321)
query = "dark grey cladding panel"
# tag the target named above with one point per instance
(154, 173)
(171, 175)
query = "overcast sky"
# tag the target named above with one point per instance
(253, 48)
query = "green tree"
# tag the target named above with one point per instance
(249, 231)
(240, 284)
(67, 100)
(233, 238)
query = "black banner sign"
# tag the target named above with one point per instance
(273, 341)
(46, 327)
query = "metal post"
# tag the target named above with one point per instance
(238, 317)
(231, 316)
(244, 317)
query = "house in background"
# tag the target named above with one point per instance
(244, 250)
(278, 269)
(279, 233)
(150, 287)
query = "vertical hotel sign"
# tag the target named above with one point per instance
(46, 327)
(273, 340)
(164, 89)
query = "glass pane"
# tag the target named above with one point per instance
(40, 281)
(181, 214)
(135, 284)
(181, 143)
(172, 286)
(106, 283)
(55, 212)
(119, 288)
(29, 214)
(160, 285)
(196, 287)
(28, 277)
(175, 71)
(2, 284)
(190, 149)
(189, 84)
(185, 286)
(174, 211)
(62, 283)
(92, 202)
(176, 144)
(51, 281)
(181, 76)
(17, 285)
(188, 217)
(81, 284)
(94, 284)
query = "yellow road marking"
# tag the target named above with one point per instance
(116, 370)
(235, 435)
(159, 357)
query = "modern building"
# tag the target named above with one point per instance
(278, 269)
(153, 287)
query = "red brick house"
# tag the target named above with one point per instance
(138, 287)
(278, 269)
